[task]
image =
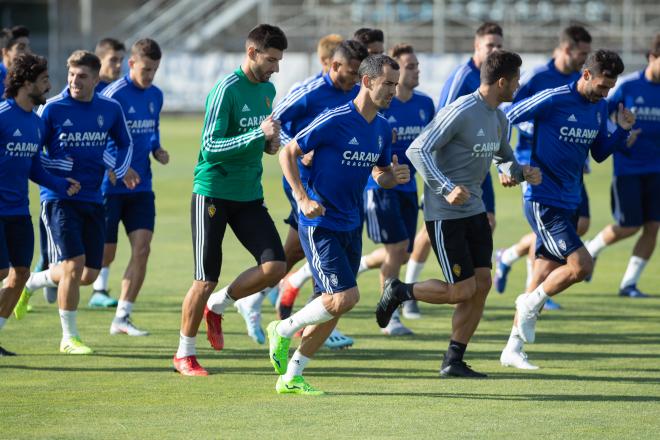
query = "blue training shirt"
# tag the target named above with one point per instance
(566, 128)
(407, 119)
(346, 148)
(462, 81)
(77, 133)
(142, 111)
(305, 103)
(642, 97)
(545, 76)
(3, 75)
(100, 87)
(21, 141)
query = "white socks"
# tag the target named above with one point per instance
(509, 256)
(413, 271)
(186, 346)
(596, 245)
(2, 322)
(363, 265)
(101, 282)
(124, 308)
(296, 365)
(530, 272)
(633, 272)
(219, 301)
(39, 280)
(68, 321)
(514, 343)
(252, 302)
(536, 299)
(313, 313)
(298, 278)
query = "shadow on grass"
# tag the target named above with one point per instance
(516, 397)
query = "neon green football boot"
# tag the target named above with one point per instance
(278, 348)
(74, 345)
(297, 385)
(21, 308)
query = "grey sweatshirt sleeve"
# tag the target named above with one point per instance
(431, 140)
(504, 158)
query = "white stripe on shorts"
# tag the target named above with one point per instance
(546, 237)
(51, 249)
(316, 260)
(442, 253)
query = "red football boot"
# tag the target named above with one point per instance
(188, 366)
(214, 329)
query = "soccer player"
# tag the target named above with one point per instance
(21, 140)
(391, 214)
(570, 122)
(636, 181)
(453, 155)
(227, 190)
(111, 52)
(79, 123)
(563, 68)
(295, 112)
(373, 40)
(351, 141)
(15, 41)
(463, 80)
(135, 208)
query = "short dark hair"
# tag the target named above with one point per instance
(367, 36)
(604, 62)
(14, 34)
(265, 36)
(401, 49)
(573, 35)
(107, 44)
(147, 48)
(500, 64)
(372, 66)
(351, 50)
(489, 28)
(26, 67)
(84, 58)
(655, 46)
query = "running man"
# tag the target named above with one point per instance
(351, 141)
(372, 39)
(636, 181)
(564, 68)
(15, 41)
(453, 155)
(463, 80)
(570, 122)
(79, 123)
(111, 52)
(21, 140)
(141, 102)
(227, 190)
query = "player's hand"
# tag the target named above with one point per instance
(271, 128)
(458, 196)
(311, 208)
(272, 146)
(74, 188)
(633, 137)
(162, 156)
(625, 118)
(401, 171)
(507, 181)
(131, 179)
(532, 175)
(307, 159)
(112, 177)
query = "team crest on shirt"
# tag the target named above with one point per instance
(152, 108)
(268, 102)
(211, 210)
(422, 115)
(456, 269)
(333, 280)
(562, 244)
(99, 119)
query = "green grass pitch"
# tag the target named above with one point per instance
(600, 355)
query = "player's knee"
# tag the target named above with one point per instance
(21, 275)
(73, 268)
(273, 271)
(462, 291)
(141, 251)
(583, 225)
(584, 267)
(203, 288)
(650, 229)
(398, 253)
(627, 231)
(484, 283)
(344, 301)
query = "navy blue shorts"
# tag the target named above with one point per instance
(391, 216)
(636, 199)
(334, 257)
(43, 238)
(75, 228)
(488, 194)
(16, 241)
(134, 210)
(555, 229)
(583, 209)
(292, 219)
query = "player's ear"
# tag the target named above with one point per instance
(586, 74)
(366, 81)
(252, 52)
